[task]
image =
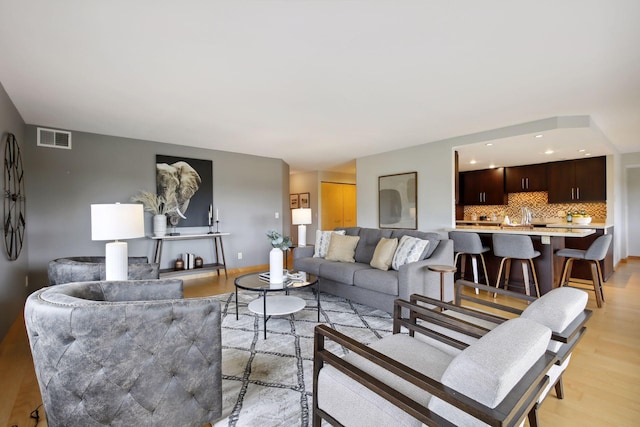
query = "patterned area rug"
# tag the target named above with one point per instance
(270, 382)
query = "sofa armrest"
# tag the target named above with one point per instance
(416, 278)
(303, 252)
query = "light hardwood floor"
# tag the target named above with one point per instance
(602, 383)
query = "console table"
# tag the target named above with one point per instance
(216, 240)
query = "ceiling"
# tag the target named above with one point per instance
(320, 83)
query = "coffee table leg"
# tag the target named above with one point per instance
(264, 314)
(236, 303)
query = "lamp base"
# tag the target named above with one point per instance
(117, 261)
(302, 235)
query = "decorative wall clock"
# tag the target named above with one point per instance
(14, 199)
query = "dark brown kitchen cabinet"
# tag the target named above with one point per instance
(574, 181)
(483, 187)
(520, 179)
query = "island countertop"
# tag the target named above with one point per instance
(535, 231)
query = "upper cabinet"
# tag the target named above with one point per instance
(483, 187)
(526, 178)
(573, 181)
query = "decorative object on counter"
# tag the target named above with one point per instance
(276, 257)
(198, 262)
(116, 222)
(506, 220)
(569, 217)
(301, 217)
(173, 220)
(179, 264)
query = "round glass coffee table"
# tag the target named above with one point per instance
(272, 303)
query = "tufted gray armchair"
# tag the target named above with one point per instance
(89, 268)
(126, 353)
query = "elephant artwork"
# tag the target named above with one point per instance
(187, 183)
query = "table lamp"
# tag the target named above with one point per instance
(114, 222)
(301, 217)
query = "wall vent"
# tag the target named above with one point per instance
(54, 138)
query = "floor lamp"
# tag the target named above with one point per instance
(115, 222)
(301, 217)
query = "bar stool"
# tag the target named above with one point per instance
(596, 252)
(516, 246)
(469, 244)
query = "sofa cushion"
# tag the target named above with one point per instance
(369, 238)
(342, 272)
(410, 249)
(489, 368)
(385, 282)
(342, 248)
(323, 238)
(433, 238)
(310, 264)
(383, 254)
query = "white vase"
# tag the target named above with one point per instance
(159, 225)
(275, 266)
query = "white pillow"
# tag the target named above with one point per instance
(323, 238)
(409, 250)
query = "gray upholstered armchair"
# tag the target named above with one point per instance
(126, 353)
(90, 268)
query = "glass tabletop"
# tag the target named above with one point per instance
(254, 282)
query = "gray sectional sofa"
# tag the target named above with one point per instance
(362, 283)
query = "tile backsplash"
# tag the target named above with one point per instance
(539, 205)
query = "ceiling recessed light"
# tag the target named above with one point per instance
(489, 144)
(587, 154)
(548, 152)
(491, 166)
(539, 135)
(582, 150)
(473, 162)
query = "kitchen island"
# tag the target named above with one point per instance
(546, 240)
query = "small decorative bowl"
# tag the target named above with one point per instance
(582, 220)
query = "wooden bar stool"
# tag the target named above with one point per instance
(596, 252)
(469, 244)
(520, 247)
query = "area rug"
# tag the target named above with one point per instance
(270, 382)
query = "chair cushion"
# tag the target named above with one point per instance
(342, 248)
(323, 238)
(410, 249)
(571, 253)
(354, 405)
(383, 253)
(487, 370)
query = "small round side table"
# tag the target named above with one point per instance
(442, 269)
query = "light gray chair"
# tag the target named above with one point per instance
(520, 247)
(126, 353)
(597, 252)
(469, 244)
(91, 268)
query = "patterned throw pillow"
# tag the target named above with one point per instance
(409, 250)
(323, 238)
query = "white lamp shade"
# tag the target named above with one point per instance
(301, 216)
(117, 221)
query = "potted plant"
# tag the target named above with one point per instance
(158, 207)
(279, 244)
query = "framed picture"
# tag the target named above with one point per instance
(304, 200)
(294, 201)
(188, 183)
(397, 201)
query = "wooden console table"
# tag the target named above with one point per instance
(216, 240)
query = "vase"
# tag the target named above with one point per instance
(275, 266)
(159, 225)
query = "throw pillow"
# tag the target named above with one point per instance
(383, 254)
(342, 248)
(322, 242)
(409, 250)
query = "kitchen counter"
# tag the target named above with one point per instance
(535, 231)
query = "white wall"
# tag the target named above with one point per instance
(435, 166)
